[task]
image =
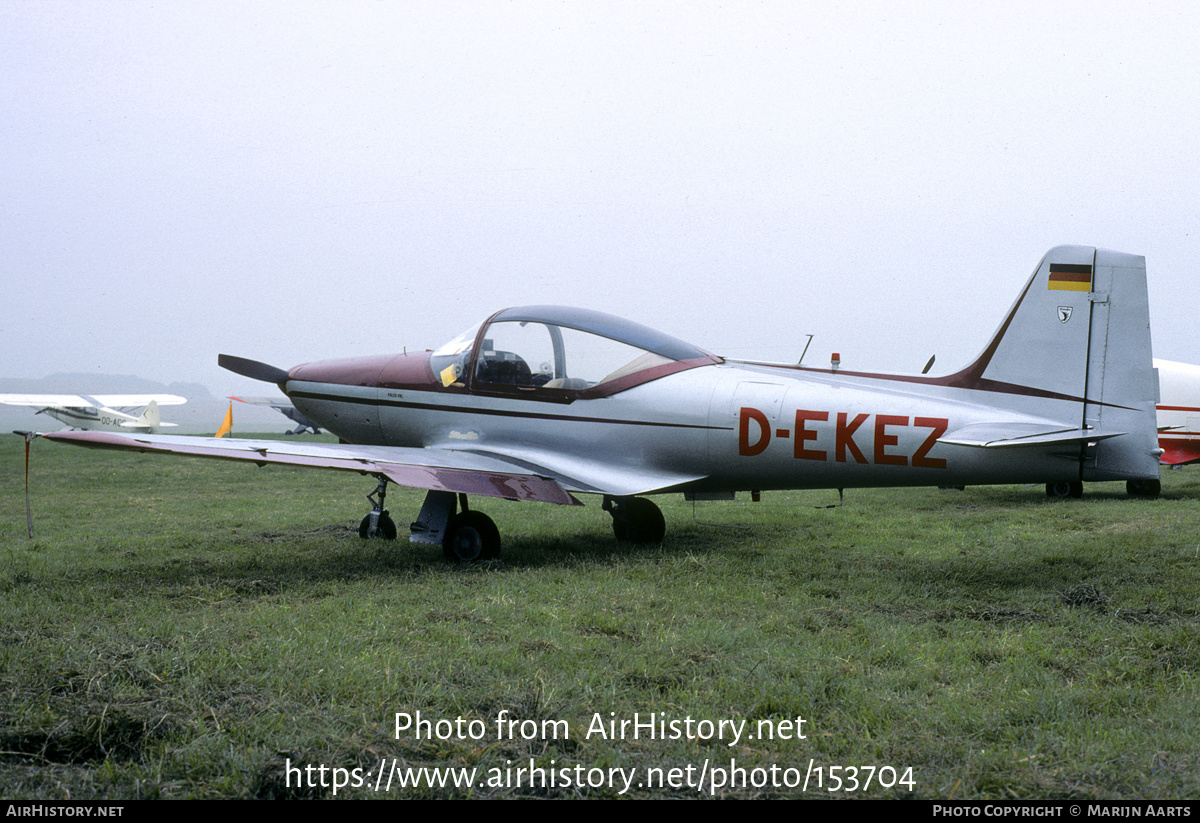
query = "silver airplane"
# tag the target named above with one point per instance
(285, 408)
(547, 403)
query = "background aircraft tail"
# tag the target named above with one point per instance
(1081, 331)
(151, 419)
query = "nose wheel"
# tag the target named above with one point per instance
(384, 527)
(377, 524)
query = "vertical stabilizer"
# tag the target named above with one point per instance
(1080, 331)
(1042, 345)
(150, 418)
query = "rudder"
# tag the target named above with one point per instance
(1122, 385)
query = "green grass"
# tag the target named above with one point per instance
(181, 628)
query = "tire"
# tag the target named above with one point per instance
(386, 528)
(638, 520)
(1143, 488)
(471, 536)
(1064, 489)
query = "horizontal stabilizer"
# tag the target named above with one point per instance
(1017, 435)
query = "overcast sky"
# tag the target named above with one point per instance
(294, 181)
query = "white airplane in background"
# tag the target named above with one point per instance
(1178, 412)
(101, 412)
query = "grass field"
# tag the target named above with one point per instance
(191, 629)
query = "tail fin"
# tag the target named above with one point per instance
(150, 417)
(1080, 331)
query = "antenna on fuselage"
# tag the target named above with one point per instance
(929, 365)
(806, 345)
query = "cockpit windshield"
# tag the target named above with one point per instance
(555, 349)
(449, 361)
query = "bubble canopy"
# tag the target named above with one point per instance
(560, 349)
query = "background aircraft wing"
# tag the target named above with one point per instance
(1180, 452)
(282, 406)
(116, 401)
(273, 402)
(436, 469)
(71, 401)
(96, 401)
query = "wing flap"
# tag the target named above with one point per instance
(434, 469)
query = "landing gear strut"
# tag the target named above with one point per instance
(635, 519)
(378, 524)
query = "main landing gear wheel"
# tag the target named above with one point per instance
(636, 519)
(471, 536)
(1143, 488)
(1063, 489)
(385, 527)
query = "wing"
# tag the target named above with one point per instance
(117, 401)
(96, 401)
(1179, 452)
(273, 402)
(70, 401)
(436, 469)
(590, 475)
(280, 405)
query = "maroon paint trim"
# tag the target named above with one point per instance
(385, 371)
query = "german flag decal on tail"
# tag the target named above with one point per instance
(1070, 277)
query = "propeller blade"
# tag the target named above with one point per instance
(252, 369)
